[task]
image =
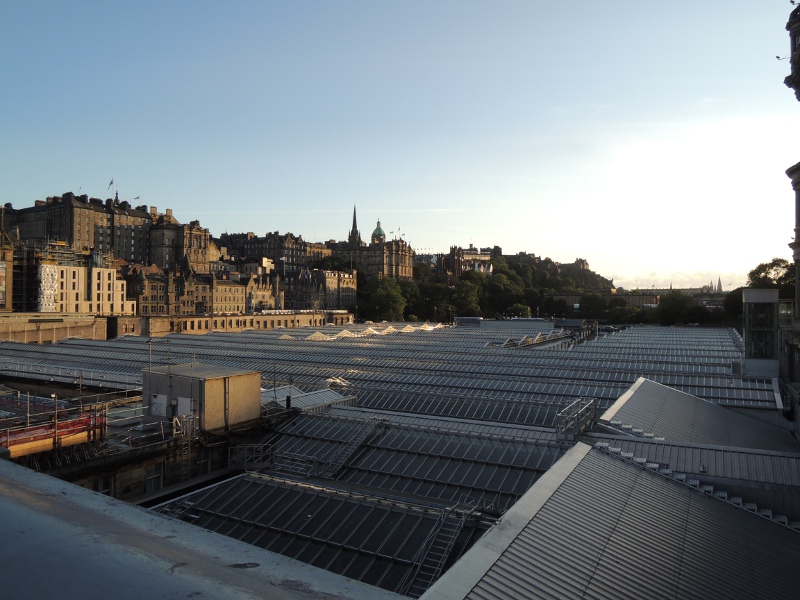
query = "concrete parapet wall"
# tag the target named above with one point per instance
(48, 329)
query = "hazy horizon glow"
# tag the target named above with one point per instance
(649, 139)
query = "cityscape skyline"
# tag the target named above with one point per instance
(560, 131)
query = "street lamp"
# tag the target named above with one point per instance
(283, 298)
(55, 420)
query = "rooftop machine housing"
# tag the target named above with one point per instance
(219, 397)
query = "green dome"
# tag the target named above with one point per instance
(378, 231)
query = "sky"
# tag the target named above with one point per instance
(649, 138)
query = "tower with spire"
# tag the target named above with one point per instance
(354, 238)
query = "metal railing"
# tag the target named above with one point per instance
(576, 417)
(75, 376)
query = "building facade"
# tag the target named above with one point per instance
(55, 278)
(321, 290)
(85, 224)
(385, 258)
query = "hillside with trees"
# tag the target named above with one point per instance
(527, 286)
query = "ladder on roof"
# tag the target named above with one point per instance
(185, 429)
(429, 561)
(345, 451)
(289, 462)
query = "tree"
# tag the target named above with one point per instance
(433, 295)
(413, 298)
(777, 273)
(422, 271)
(388, 300)
(733, 304)
(556, 308)
(617, 302)
(519, 310)
(381, 298)
(533, 299)
(674, 308)
(466, 299)
(592, 306)
(503, 293)
(330, 263)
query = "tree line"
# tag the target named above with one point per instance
(524, 286)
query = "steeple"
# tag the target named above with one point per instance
(719, 284)
(354, 239)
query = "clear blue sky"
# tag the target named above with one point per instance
(650, 138)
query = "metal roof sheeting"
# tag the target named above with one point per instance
(656, 409)
(445, 361)
(612, 529)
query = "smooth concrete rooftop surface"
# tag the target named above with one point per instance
(201, 370)
(63, 541)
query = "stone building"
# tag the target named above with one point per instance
(321, 290)
(85, 224)
(228, 296)
(460, 260)
(6, 267)
(288, 252)
(260, 293)
(166, 293)
(54, 278)
(386, 258)
(175, 246)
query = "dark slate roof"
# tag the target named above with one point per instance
(598, 526)
(651, 408)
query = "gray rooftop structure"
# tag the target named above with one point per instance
(598, 526)
(663, 412)
(63, 541)
(198, 370)
(468, 444)
(441, 361)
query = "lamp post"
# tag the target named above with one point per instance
(283, 298)
(55, 420)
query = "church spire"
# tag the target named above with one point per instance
(354, 239)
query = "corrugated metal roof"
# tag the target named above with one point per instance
(649, 407)
(607, 528)
(770, 480)
(715, 461)
(303, 400)
(504, 430)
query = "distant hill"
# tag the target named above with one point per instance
(547, 274)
